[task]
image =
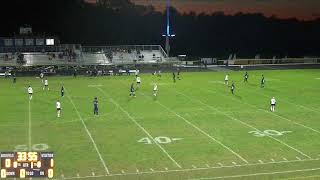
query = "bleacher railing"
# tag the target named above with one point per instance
(67, 54)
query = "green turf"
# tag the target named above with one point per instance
(214, 125)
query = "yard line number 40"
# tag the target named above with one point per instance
(159, 139)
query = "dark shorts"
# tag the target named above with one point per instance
(30, 93)
(58, 109)
(273, 104)
(138, 82)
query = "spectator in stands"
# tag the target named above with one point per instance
(6, 57)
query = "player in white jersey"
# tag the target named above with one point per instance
(58, 106)
(138, 79)
(137, 73)
(41, 76)
(30, 92)
(46, 84)
(159, 74)
(226, 79)
(155, 89)
(273, 104)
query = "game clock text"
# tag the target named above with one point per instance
(27, 164)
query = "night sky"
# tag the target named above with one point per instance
(301, 9)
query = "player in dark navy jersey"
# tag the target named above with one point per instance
(174, 77)
(246, 77)
(14, 78)
(132, 91)
(62, 91)
(233, 87)
(178, 74)
(263, 81)
(95, 106)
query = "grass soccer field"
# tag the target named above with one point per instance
(194, 129)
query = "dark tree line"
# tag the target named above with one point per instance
(119, 22)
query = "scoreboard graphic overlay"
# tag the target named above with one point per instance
(27, 164)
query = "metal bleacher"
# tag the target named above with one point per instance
(84, 55)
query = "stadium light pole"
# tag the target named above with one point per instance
(168, 34)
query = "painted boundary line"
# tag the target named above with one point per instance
(197, 169)
(29, 128)
(246, 124)
(281, 117)
(259, 174)
(142, 128)
(89, 134)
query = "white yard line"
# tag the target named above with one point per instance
(197, 169)
(88, 132)
(200, 130)
(203, 132)
(259, 174)
(142, 128)
(246, 124)
(30, 129)
(274, 114)
(304, 177)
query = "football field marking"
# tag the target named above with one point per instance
(141, 127)
(200, 130)
(258, 174)
(266, 111)
(29, 129)
(244, 123)
(268, 132)
(88, 133)
(197, 169)
(303, 177)
(197, 128)
(159, 139)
